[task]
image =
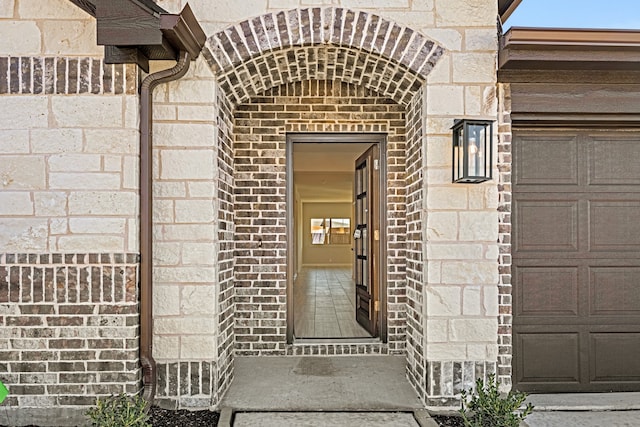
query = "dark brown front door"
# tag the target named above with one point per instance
(576, 260)
(367, 237)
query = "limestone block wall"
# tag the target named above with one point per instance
(68, 210)
(191, 267)
(70, 122)
(50, 28)
(461, 221)
(216, 15)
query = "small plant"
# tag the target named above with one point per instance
(120, 411)
(488, 408)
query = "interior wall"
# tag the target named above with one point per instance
(324, 255)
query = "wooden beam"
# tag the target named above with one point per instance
(126, 23)
(137, 31)
(126, 55)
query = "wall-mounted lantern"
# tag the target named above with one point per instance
(472, 151)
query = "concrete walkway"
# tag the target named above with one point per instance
(585, 410)
(374, 391)
(315, 419)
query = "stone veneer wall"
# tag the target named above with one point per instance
(260, 187)
(68, 181)
(460, 221)
(193, 234)
(69, 185)
(68, 213)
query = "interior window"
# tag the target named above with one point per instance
(330, 231)
(319, 230)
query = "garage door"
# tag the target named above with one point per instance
(576, 260)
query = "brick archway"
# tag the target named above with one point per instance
(286, 58)
(321, 44)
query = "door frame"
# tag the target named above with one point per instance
(340, 138)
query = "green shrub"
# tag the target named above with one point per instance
(120, 411)
(486, 407)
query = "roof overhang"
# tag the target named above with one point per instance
(506, 8)
(137, 31)
(569, 49)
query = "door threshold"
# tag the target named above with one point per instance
(364, 340)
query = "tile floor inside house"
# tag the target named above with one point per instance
(324, 301)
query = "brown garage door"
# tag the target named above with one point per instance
(576, 260)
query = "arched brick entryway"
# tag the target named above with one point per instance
(269, 70)
(324, 44)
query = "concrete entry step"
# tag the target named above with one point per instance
(306, 383)
(314, 419)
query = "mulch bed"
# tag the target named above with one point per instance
(182, 418)
(448, 421)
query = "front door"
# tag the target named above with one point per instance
(366, 238)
